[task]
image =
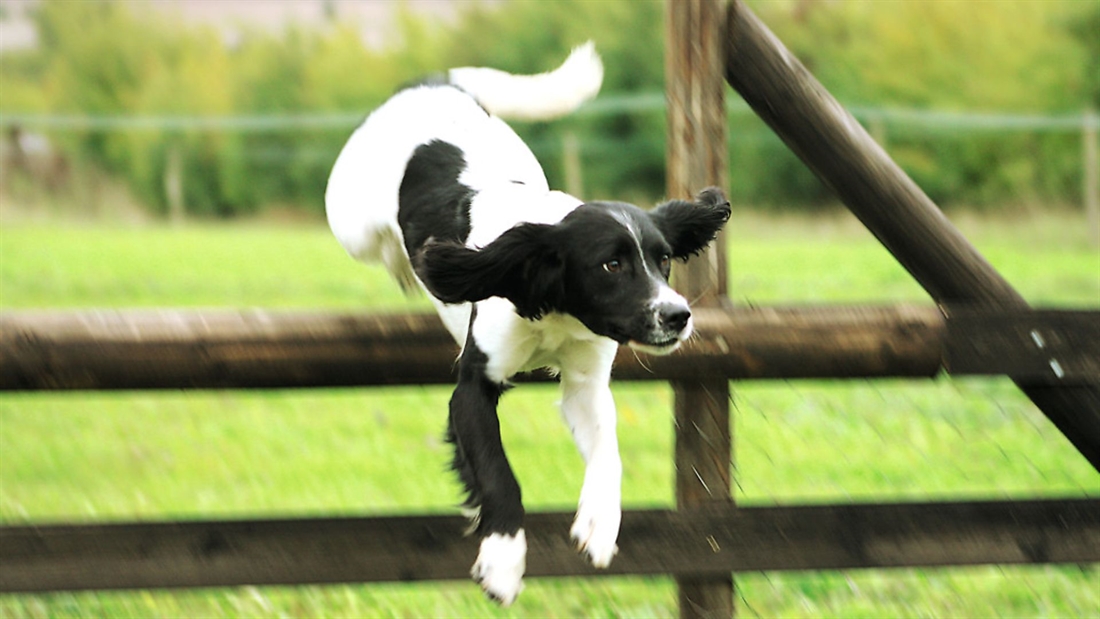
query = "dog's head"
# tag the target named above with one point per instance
(606, 264)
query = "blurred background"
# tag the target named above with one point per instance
(233, 107)
(174, 153)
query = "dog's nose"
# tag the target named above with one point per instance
(673, 317)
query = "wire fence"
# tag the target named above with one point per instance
(932, 120)
(614, 145)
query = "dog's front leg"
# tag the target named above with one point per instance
(589, 411)
(494, 494)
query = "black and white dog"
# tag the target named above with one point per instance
(436, 186)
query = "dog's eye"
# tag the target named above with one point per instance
(613, 266)
(666, 262)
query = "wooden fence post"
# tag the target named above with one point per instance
(697, 152)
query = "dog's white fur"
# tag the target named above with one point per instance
(500, 564)
(362, 207)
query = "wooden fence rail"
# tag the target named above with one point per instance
(712, 540)
(253, 349)
(211, 349)
(233, 349)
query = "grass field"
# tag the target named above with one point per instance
(225, 454)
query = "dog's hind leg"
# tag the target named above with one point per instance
(494, 493)
(589, 411)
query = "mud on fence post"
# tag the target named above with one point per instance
(696, 158)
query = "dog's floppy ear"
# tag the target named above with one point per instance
(521, 265)
(690, 226)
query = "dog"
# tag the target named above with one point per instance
(437, 187)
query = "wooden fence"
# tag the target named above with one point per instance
(255, 349)
(979, 325)
(712, 541)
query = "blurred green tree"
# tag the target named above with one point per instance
(955, 55)
(116, 59)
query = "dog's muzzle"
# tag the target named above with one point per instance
(672, 318)
(671, 326)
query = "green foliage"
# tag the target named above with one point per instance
(124, 59)
(622, 153)
(957, 55)
(1083, 26)
(114, 59)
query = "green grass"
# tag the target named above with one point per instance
(108, 456)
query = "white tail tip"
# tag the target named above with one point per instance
(535, 97)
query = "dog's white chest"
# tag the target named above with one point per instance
(519, 345)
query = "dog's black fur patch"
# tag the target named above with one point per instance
(521, 265)
(474, 431)
(432, 203)
(690, 226)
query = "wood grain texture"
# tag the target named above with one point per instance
(252, 349)
(697, 154)
(714, 540)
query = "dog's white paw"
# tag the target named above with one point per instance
(595, 530)
(500, 565)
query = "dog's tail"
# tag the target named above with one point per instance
(534, 97)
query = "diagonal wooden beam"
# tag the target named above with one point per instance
(843, 155)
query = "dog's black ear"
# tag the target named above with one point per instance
(690, 226)
(521, 265)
